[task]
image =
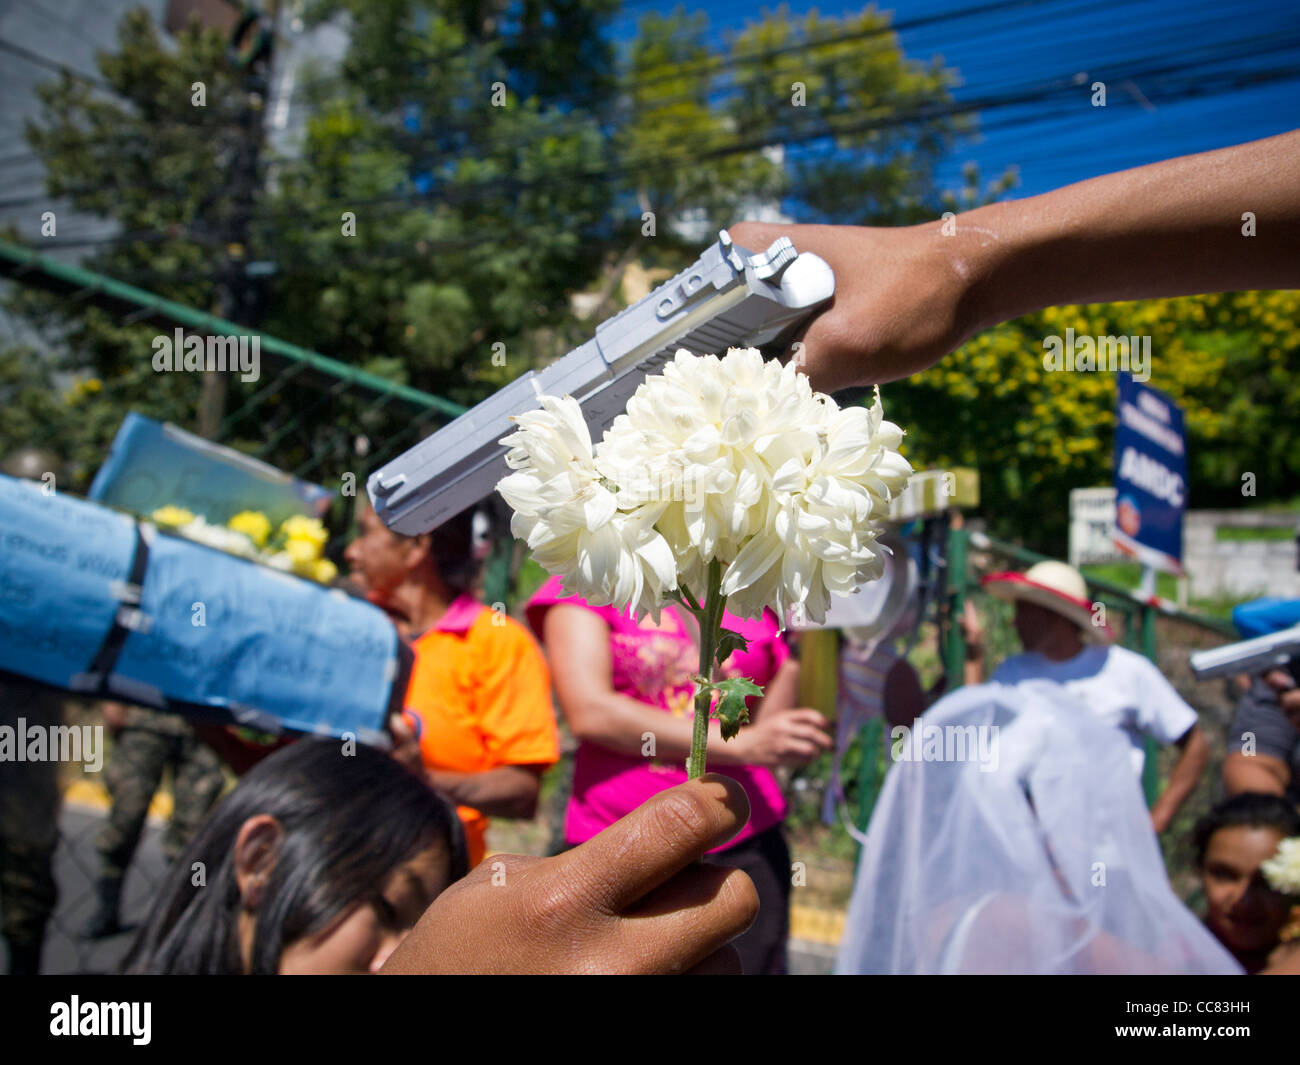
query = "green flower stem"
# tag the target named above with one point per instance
(710, 619)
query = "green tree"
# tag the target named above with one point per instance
(468, 167)
(468, 232)
(450, 138)
(826, 116)
(141, 153)
(1230, 360)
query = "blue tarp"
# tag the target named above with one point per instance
(1263, 617)
(62, 568)
(199, 631)
(151, 465)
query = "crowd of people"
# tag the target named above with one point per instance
(375, 860)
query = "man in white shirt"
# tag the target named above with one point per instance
(1065, 642)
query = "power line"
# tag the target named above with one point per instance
(813, 131)
(718, 149)
(582, 120)
(695, 152)
(716, 62)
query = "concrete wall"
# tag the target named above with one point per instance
(1227, 569)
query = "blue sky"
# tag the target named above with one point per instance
(1146, 51)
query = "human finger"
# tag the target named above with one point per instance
(688, 919)
(637, 853)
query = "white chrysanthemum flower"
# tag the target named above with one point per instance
(821, 537)
(694, 438)
(733, 459)
(570, 519)
(1283, 869)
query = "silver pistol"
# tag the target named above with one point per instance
(729, 297)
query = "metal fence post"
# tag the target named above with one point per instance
(955, 643)
(1150, 772)
(496, 573)
(869, 775)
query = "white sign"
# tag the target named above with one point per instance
(1092, 524)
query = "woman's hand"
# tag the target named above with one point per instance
(403, 728)
(633, 899)
(783, 736)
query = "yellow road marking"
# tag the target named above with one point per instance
(816, 925)
(93, 794)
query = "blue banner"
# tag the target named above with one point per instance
(64, 570)
(1150, 475)
(92, 601)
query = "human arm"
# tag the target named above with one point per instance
(506, 791)
(1264, 740)
(510, 722)
(633, 899)
(1286, 693)
(1183, 778)
(904, 700)
(1255, 772)
(907, 296)
(577, 643)
(973, 632)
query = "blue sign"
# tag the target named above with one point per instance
(1150, 475)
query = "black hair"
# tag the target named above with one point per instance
(452, 543)
(348, 817)
(1251, 809)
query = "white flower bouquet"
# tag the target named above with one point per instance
(727, 484)
(1283, 869)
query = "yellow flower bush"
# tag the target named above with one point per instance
(253, 524)
(171, 517)
(1230, 360)
(305, 530)
(303, 553)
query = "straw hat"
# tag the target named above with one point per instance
(1055, 586)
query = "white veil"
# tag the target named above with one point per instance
(1032, 854)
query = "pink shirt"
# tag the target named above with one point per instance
(654, 666)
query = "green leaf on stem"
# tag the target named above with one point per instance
(729, 643)
(732, 712)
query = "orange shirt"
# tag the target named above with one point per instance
(482, 691)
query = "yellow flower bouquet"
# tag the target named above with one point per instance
(297, 546)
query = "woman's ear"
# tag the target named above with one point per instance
(418, 549)
(257, 847)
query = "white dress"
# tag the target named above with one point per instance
(1039, 860)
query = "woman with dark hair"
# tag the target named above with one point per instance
(320, 861)
(480, 691)
(1232, 841)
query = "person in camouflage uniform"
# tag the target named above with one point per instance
(29, 827)
(29, 791)
(147, 741)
